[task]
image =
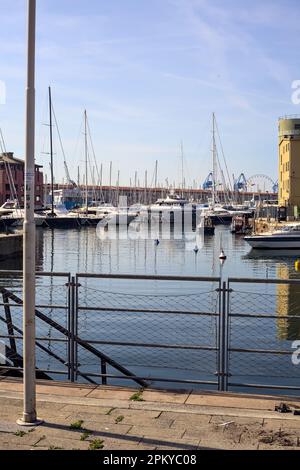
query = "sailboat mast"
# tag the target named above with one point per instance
(101, 178)
(214, 163)
(146, 186)
(110, 182)
(86, 161)
(51, 152)
(182, 169)
(155, 179)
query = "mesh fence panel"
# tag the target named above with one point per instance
(264, 321)
(152, 327)
(53, 302)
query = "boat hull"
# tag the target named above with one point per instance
(61, 222)
(272, 243)
(220, 219)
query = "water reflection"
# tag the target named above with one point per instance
(288, 304)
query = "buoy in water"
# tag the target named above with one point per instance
(196, 249)
(297, 265)
(222, 255)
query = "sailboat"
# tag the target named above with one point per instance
(11, 214)
(56, 218)
(216, 212)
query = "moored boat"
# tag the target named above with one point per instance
(285, 238)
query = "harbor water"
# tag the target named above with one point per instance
(82, 251)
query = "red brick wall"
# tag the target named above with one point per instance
(18, 178)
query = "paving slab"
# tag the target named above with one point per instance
(221, 420)
(155, 432)
(183, 419)
(171, 444)
(282, 424)
(58, 390)
(132, 413)
(90, 409)
(54, 443)
(29, 439)
(163, 396)
(125, 444)
(111, 393)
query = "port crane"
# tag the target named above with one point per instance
(208, 183)
(241, 183)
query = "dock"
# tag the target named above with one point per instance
(82, 417)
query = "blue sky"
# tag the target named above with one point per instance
(150, 73)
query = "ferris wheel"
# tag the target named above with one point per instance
(261, 183)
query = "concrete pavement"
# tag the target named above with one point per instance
(113, 418)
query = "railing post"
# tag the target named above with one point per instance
(75, 331)
(103, 371)
(10, 328)
(68, 285)
(72, 330)
(223, 335)
(226, 293)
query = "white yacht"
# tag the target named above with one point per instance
(12, 215)
(116, 216)
(165, 209)
(285, 238)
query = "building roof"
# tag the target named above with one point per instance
(8, 157)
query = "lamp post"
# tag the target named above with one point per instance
(29, 410)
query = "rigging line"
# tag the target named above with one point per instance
(223, 154)
(9, 172)
(93, 150)
(41, 135)
(92, 176)
(78, 139)
(61, 146)
(225, 189)
(99, 176)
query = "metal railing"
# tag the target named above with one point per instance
(262, 323)
(53, 307)
(149, 330)
(166, 328)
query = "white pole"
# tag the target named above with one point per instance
(29, 410)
